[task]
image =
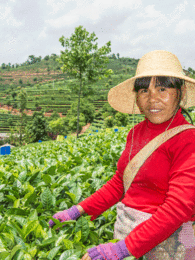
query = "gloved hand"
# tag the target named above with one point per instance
(68, 214)
(109, 251)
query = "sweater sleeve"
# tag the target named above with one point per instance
(104, 198)
(108, 195)
(178, 207)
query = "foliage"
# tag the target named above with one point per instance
(83, 60)
(18, 131)
(40, 179)
(121, 119)
(59, 126)
(37, 129)
(73, 123)
(54, 116)
(109, 109)
(109, 121)
(86, 108)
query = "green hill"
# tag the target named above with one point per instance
(51, 90)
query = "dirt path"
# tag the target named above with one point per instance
(26, 111)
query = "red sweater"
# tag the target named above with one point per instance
(164, 185)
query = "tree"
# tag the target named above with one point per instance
(53, 56)
(22, 105)
(3, 66)
(83, 60)
(46, 57)
(114, 56)
(118, 55)
(37, 129)
(17, 132)
(14, 94)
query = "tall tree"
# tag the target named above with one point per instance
(22, 106)
(83, 60)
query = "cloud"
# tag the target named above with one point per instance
(151, 16)
(185, 26)
(30, 14)
(91, 11)
(66, 20)
(176, 14)
(7, 17)
(57, 6)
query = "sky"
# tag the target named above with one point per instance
(134, 27)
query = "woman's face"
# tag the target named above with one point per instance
(157, 103)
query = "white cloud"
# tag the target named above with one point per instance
(151, 12)
(157, 17)
(115, 4)
(176, 14)
(185, 26)
(146, 25)
(7, 17)
(92, 10)
(68, 19)
(57, 5)
(43, 33)
(12, 40)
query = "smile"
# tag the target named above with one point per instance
(155, 111)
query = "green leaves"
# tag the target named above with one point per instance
(82, 226)
(81, 56)
(40, 180)
(47, 198)
(70, 255)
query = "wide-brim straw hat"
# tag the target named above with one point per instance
(155, 63)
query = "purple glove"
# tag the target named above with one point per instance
(68, 214)
(109, 251)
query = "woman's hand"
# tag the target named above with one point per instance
(70, 214)
(86, 257)
(109, 251)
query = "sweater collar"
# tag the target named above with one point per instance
(179, 118)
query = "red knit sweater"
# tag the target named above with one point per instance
(164, 185)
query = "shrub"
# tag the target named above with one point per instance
(8, 102)
(107, 108)
(86, 108)
(59, 126)
(20, 81)
(105, 114)
(15, 105)
(38, 108)
(73, 122)
(121, 119)
(54, 116)
(109, 121)
(98, 114)
(37, 130)
(10, 121)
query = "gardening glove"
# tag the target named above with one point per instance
(68, 214)
(109, 251)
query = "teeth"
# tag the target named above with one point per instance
(155, 110)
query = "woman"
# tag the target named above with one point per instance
(154, 216)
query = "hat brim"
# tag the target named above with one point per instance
(122, 97)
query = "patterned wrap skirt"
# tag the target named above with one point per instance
(179, 246)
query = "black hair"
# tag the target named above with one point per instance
(167, 82)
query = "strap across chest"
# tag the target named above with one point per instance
(138, 160)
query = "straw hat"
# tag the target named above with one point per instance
(155, 63)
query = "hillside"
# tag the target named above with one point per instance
(49, 90)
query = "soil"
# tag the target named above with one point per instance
(26, 111)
